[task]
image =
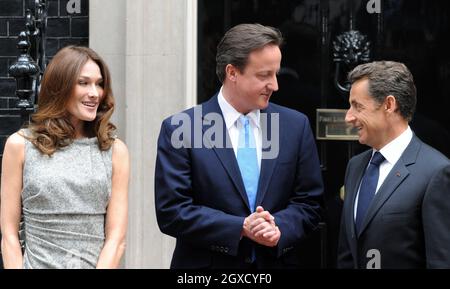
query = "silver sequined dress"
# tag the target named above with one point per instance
(64, 202)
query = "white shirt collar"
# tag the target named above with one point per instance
(393, 150)
(231, 115)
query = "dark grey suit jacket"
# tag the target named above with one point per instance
(408, 221)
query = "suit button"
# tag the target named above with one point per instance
(248, 260)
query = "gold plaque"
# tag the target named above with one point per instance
(331, 125)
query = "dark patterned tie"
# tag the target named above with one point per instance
(368, 188)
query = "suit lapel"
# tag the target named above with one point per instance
(352, 190)
(267, 165)
(226, 154)
(395, 177)
(228, 158)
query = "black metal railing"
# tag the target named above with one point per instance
(31, 62)
(29, 67)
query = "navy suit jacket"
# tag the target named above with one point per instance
(408, 221)
(201, 200)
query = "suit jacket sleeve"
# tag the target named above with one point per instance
(303, 211)
(436, 220)
(344, 256)
(176, 212)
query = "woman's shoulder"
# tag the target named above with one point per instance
(15, 144)
(17, 138)
(120, 155)
(119, 147)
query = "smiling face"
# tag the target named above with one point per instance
(252, 87)
(87, 95)
(367, 116)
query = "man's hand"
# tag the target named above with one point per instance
(261, 228)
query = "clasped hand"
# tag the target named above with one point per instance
(261, 228)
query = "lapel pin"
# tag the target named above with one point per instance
(397, 174)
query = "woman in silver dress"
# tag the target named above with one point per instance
(67, 174)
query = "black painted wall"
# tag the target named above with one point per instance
(62, 29)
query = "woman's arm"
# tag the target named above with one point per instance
(10, 209)
(117, 211)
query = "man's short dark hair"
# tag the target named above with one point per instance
(240, 41)
(388, 78)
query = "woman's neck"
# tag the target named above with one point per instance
(78, 126)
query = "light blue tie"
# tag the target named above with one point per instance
(248, 161)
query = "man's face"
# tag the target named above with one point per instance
(367, 116)
(255, 84)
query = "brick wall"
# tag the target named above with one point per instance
(62, 29)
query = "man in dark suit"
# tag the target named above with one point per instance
(237, 180)
(397, 205)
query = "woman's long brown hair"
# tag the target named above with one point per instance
(50, 126)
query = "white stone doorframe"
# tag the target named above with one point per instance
(151, 49)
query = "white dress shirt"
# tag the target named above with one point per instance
(233, 125)
(392, 153)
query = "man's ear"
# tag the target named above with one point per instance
(231, 72)
(390, 104)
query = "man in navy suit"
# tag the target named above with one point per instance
(231, 204)
(397, 195)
